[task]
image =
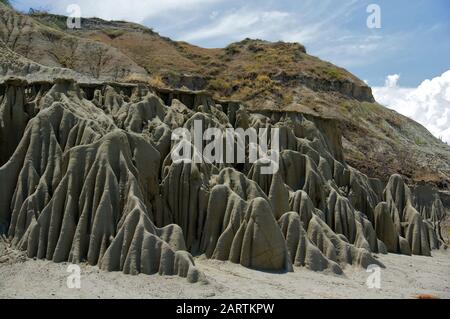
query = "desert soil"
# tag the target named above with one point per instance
(404, 277)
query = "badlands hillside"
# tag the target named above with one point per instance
(259, 74)
(86, 119)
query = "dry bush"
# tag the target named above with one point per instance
(157, 81)
(136, 78)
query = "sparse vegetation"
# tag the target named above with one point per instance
(12, 30)
(119, 73)
(419, 141)
(135, 78)
(220, 85)
(232, 49)
(334, 74)
(50, 20)
(157, 81)
(98, 58)
(64, 52)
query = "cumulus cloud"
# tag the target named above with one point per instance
(428, 104)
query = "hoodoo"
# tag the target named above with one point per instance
(91, 179)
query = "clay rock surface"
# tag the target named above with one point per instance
(408, 221)
(88, 176)
(244, 232)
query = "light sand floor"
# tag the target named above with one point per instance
(404, 277)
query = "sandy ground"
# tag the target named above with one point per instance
(404, 277)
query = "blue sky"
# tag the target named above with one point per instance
(412, 45)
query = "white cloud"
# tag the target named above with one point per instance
(310, 24)
(239, 24)
(130, 10)
(359, 49)
(428, 104)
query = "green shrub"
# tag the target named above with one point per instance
(334, 74)
(419, 142)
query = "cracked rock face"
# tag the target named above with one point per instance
(87, 176)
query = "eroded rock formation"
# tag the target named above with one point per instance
(87, 175)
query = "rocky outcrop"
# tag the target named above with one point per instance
(407, 220)
(358, 91)
(302, 251)
(88, 176)
(251, 237)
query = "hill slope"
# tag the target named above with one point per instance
(272, 77)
